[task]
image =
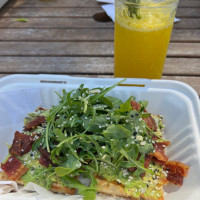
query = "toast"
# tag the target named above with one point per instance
(105, 187)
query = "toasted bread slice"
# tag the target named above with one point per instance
(104, 187)
(112, 189)
(56, 187)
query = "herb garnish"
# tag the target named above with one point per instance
(21, 20)
(133, 10)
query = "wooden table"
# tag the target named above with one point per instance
(62, 37)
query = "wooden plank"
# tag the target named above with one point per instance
(185, 35)
(84, 49)
(87, 65)
(184, 49)
(188, 12)
(50, 12)
(188, 23)
(78, 3)
(76, 12)
(63, 23)
(189, 3)
(57, 34)
(53, 3)
(182, 66)
(83, 35)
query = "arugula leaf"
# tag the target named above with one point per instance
(21, 20)
(125, 154)
(115, 101)
(125, 107)
(94, 98)
(116, 132)
(89, 193)
(69, 166)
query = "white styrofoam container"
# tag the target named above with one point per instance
(176, 101)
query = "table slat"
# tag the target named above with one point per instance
(76, 12)
(78, 3)
(63, 23)
(82, 35)
(84, 49)
(87, 65)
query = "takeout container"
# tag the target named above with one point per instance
(177, 102)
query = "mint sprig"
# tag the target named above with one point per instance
(133, 10)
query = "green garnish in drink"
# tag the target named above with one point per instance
(133, 10)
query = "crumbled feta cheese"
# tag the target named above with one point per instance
(143, 143)
(139, 138)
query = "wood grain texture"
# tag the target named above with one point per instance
(63, 23)
(61, 37)
(59, 23)
(88, 65)
(84, 49)
(82, 35)
(76, 12)
(78, 3)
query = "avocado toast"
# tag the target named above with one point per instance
(118, 146)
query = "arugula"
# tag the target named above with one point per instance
(89, 134)
(21, 20)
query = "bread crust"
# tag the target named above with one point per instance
(105, 187)
(112, 189)
(55, 187)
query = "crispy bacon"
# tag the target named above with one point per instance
(34, 123)
(135, 105)
(176, 171)
(147, 160)
(156, 161)
(22, 144)
(162, 145)
(150, 122)
(13, 168)
(45, 157)
(132, 169)
(159, 153)
(40, 108)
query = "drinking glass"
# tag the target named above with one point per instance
(142, 34)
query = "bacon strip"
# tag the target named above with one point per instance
(45, 157)
(147, 160)
(135, 105)
(13, 168)
(22, 144)
(159, 153)
(150, 122)
(176, 172)
(156, 161)
(34, 123)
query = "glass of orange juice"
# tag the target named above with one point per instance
(142, 34)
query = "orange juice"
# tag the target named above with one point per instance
(141, 44)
